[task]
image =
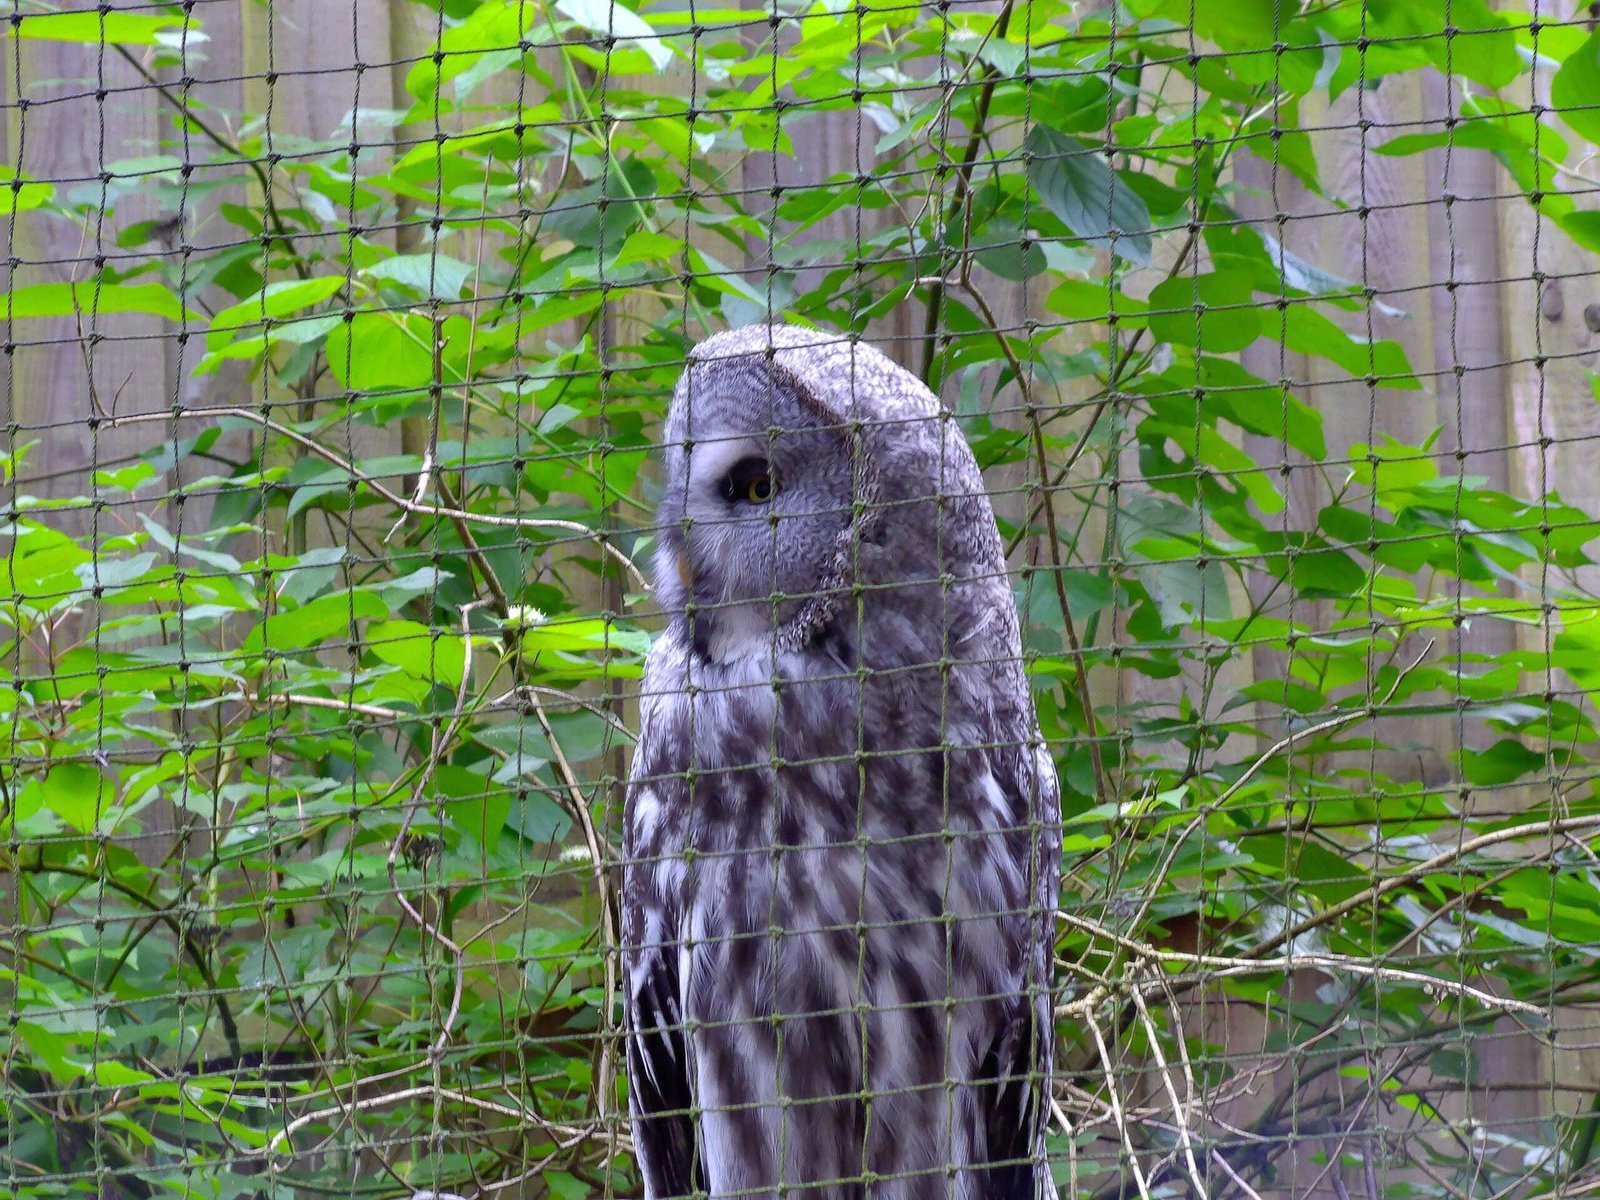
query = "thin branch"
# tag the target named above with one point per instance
(1443, 859)
(963, 187)
(1115, 1102)
(1047, 499)
(1216, 966)
(443, 735)
(226, 144)
(515, 698)
(1226, 1169)
(1317, 730)
(609, 927)
(355, 1104)
(158, 911)
(1120, 367)
(1180, 1111)
(451, 513)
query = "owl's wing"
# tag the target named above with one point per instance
(658, 1072)
(1016, 1099)
(660, 1098)
(1011, 1112)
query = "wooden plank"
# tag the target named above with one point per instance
(1549, 326)
(64, 367)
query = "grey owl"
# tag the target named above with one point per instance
(841, 845)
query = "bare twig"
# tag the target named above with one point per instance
(443, 735)
(228, 146)
(572, 1133)
(1047, 500)
(515, 698)
(1115, 1102)
(1328, 726)
(1443, 859)
(388, 495)
(1180, 1111)
(600, 864)
(1227, 1169)
(1216, 966)
(962, 191)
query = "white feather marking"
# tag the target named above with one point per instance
(671, 876)
(646, 811)
(743, 632)
(996, 813)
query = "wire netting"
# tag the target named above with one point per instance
(342, 510)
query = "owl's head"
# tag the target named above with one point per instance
(786, 450)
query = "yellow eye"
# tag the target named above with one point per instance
(750, 481)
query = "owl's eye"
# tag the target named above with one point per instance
(749, 480)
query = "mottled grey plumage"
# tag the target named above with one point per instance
(841, 841)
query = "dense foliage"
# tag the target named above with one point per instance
(310, 751)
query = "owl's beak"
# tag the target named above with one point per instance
(685, 574)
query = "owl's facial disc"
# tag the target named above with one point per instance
(757, 517)
(759, 498)
(726, 556)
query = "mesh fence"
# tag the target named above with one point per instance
(359, 452)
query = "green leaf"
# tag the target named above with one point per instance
(50, 1050)
(1260, 407)
(1566, 903)
(74, 792)
(1273, 47)
(113, 574)
(1575, 90)
(1462, 37)
(1077, 184)
(1183, 591)
(1315, 567)
(381, 352)
(43, 574)
(1215, 312)
(610, 19)
(1285, 693)
(18, 194)
(1314, 868)
(127, 479)
(273, 301)
(494, 23)
(316, 483)
(116, 1074)
(582, 634)
(435, 275)
(1506, 760)
(1003, 247)
(1090, 300)
(94, 28)
(1356, 528)
(427, 654)
(1528, 146)
(1238, 245)
(1308, 331)
(1583, 228)
(312, 624)
(1392, 469)
(566, 1187)
(1078, 104)
(93, 298)
(647, 246)
(1086, 592)
(479, 809)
